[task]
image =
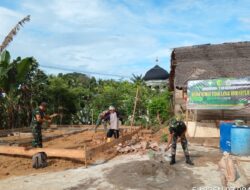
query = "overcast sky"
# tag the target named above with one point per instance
(119, 36)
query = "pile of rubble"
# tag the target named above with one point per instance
(135, 146)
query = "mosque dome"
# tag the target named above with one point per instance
(156, 73)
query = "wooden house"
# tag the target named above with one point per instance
(202, 62)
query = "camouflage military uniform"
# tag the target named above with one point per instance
(37, 128)
(178, 128)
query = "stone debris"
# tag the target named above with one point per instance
(135, 146)
(154, 146)
(144, 145)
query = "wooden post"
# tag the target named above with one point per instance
(85, 158)
(135, 103)
(92, 116)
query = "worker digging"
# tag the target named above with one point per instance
(111, 117)
(177, 129)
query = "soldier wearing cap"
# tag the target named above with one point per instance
(38, 118)
(177, 130)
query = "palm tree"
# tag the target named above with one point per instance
(137, 79)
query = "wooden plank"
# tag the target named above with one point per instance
(51, 152)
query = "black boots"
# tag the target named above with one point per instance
(188, 161)
(172, 160)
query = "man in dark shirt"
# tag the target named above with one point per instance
(177, 129)
(38, 118)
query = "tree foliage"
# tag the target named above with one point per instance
(14, 78)
(76, 97)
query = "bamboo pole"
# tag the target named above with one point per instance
(51, 152)
(135, 104)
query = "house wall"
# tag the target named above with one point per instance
(179, 101)
(202, 129)
(243, 114)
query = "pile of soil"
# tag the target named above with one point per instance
(152, 174)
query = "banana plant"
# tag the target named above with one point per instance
(13, 75)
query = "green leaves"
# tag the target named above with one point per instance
(14, 73)
(14, 83)
(23, 68)
(5, 59)
(159, 106)
(75, 96)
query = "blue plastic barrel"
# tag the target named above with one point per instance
(225, 136)
(240, 140)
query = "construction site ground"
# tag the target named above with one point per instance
(150, 170)
(16, 165)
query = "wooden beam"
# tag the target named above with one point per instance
(51, 152)
(135, 104)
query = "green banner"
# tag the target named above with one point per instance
(223, 93)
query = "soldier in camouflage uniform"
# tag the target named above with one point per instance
(177, 129)
(38, 118)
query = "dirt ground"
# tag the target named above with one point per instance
(24, 139)
(28, 136)
(16, 166)
(77, 140)
(129, 171)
